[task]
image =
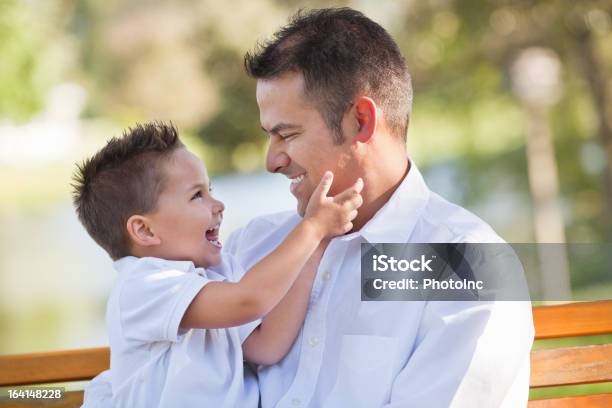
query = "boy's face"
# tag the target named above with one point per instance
(187, 217)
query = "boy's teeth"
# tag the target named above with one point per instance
(216, 243)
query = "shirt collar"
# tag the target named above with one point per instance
(132, 262)
(396, 219)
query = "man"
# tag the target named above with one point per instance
(334, 94)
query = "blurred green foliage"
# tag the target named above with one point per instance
(20, 88)
(182, 61)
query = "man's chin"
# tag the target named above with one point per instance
(303, 198)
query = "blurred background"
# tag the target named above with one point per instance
(512, 119)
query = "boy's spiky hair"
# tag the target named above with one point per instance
(122, 179)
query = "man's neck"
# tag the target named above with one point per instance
(379, 187)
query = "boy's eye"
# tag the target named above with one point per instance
(197, 195)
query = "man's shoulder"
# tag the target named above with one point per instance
(445, 221)
(266, 230)
(278, 220)
(267, 224)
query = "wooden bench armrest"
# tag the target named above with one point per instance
(55, 366)
(573, 319)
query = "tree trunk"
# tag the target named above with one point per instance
(597, 85)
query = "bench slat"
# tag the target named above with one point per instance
(573, 319)
(578, 401)
(72, 399)
(56, 366)
(571, 365)
(574, 365)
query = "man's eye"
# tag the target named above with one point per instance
(197, 195)
(289, 136)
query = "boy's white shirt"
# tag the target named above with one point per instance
(156, 364)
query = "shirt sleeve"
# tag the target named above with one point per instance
(152, 304)
(468, 354)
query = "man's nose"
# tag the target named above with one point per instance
(276, 158)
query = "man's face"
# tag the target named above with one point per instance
(187, 218)
(301, 146)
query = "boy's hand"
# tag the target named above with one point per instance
(332, 216)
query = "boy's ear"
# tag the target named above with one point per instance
(140, 231)
(366, 115)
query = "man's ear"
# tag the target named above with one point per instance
(366, 115)
(140, 231)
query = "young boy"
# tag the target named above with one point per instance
(172, 322)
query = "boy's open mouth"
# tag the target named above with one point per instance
(212, 235)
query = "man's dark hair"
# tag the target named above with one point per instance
(341, 53)
(125, 178)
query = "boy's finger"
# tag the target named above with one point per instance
(352, 215)
(325, 184)
(357, 201)
(349, 192)
(353, 202)
(358, 186)
(348, 226)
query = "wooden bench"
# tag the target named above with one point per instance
(572, 365)
(549, 367)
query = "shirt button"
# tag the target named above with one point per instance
(326, 276)
(296, 401)
(313, 341)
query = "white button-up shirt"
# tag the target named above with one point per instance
(352, 353)
(156, 364)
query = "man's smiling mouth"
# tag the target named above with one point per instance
(295, 181)
(298, 178)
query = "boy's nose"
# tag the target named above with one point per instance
(218, 207)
